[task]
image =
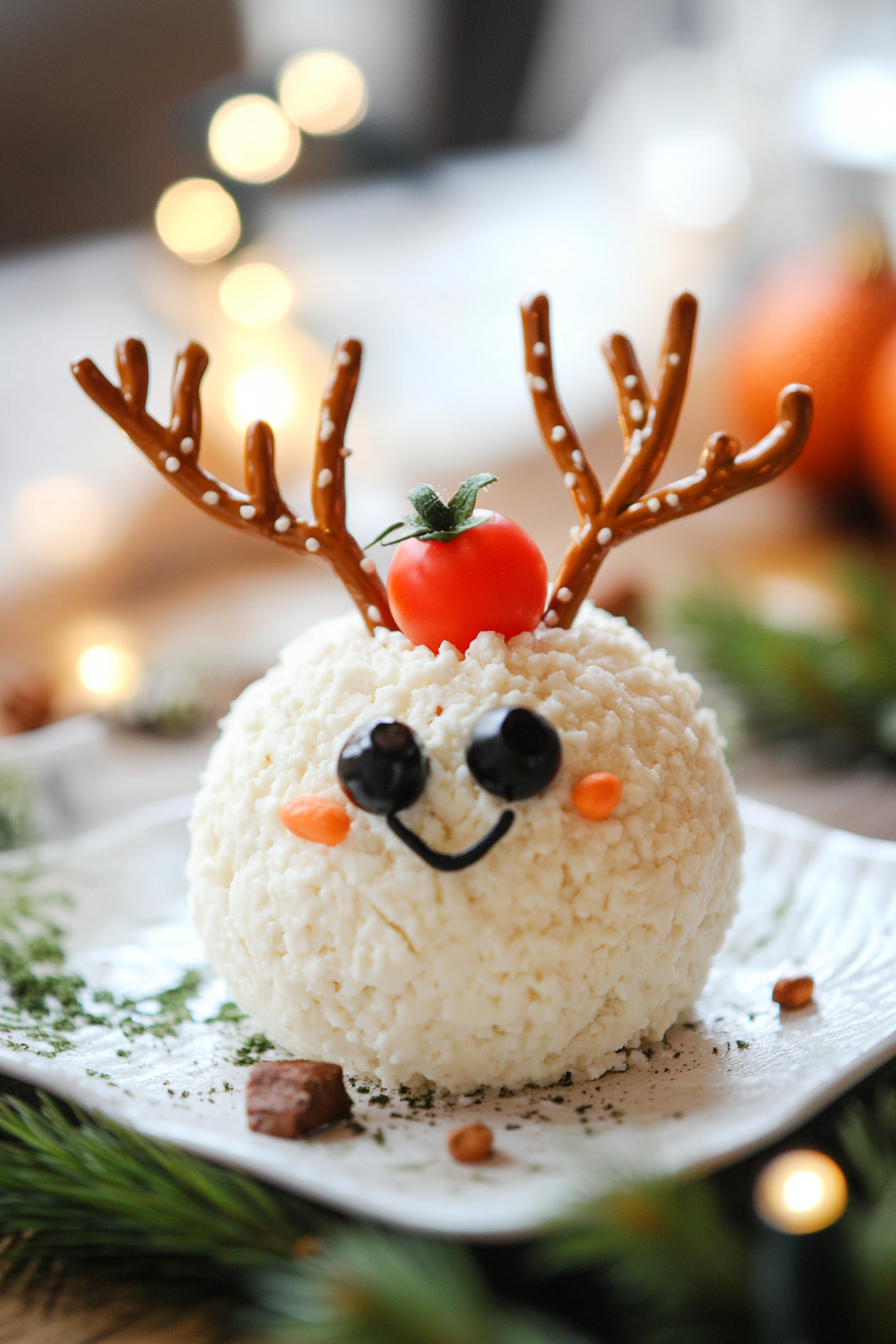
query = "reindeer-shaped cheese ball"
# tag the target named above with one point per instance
(491, 864)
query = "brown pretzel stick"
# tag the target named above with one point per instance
(174, 451)
(648, 420)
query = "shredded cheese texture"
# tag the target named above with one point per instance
(571, 939)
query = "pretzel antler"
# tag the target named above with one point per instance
(648, 419)
(174, 451)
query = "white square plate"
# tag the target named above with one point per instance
(814, 900)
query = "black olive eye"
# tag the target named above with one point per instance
(513, 752)
(382, 767)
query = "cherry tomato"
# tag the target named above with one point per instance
(491, 577)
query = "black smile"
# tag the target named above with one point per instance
(452, 863)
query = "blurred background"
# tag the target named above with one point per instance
(265, 176)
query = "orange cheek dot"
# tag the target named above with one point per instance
(313, 818)
(596, 796)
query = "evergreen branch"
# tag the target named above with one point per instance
(368, 1287)
(868, 1138)
(106, 1200)
(870, 585)
(835, 693)
(17, 825)
(871, 1255)
(82, 1198)
(672, 1256)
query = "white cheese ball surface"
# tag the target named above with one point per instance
(569, 940)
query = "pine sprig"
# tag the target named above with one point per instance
(670, 1254)
(82, 1198)
(17, 824)
(381, 1288)
(833, 692)
(868, 1138)
(105, 1200)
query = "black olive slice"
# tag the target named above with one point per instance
(513, 753)
(382, 767)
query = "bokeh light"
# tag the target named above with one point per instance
(847, 113)
(60, 520)
(800, 1191)
(699, 180)
(256, 294)
(198, 220)
(251, 140)
(261, 392)
(323, 92)
(109, 673)
(794, 602)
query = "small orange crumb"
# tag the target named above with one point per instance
(306, 1247)
(596, 796)
(313, 818)
(470, 1143)
(794, 992)
(439, 710)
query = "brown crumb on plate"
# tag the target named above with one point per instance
(793, 991)
(289, 1098)
(470, 1143)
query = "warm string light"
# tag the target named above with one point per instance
(198, 220)
(108, 673)
(323, 92)
(273, 374)
(259, 392)
(800, 1191)
(251, 140)
(795, 602)
(256, 294)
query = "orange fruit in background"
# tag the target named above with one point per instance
(878, 422)
(818, 319)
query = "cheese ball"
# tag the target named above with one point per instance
(571, 939)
